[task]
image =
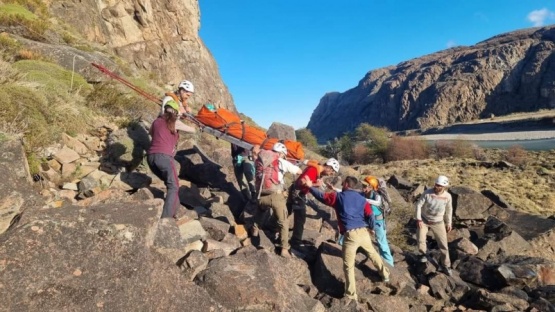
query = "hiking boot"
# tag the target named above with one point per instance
(386, 279)
(285, 253)
(423, 259)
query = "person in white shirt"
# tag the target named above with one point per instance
(276, 201)
(434, 211)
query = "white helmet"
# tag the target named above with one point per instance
(280, 148)
(442, 180)
(332, 162)
(187, 86)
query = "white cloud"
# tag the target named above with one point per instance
(539, 17)
(451, 43)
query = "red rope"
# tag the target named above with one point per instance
(146, 95)
(127, 83)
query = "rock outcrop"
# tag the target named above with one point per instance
(160, 38)
(508, 73)
(92, 247)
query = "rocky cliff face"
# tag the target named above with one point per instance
(512, 72)
(160, 37)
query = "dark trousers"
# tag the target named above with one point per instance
(163, 167)
(299, 219)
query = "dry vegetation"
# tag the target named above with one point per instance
(528, 187)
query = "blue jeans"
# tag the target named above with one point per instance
(385, 252)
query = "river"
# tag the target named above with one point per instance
(531, 145)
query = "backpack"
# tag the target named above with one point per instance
(267, 172)
(386, 199)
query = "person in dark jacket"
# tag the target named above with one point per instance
(160, 156)
(354, 218)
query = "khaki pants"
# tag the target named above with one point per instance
(440, 234)
(352, 241)
(180, 126)
(277, 203)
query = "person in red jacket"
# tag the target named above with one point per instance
(354, 218)
(299, 189)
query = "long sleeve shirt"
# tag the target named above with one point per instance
(375, 200)
(310, 172)
(434, 207)
(352, 210)
(163, 141)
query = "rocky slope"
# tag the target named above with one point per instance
(512, 72)
(160, 37)
(105, 248)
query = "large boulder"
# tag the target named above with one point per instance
(282, 132)
(101, 257)
(15, 193)
(469, 204)
(258, 280)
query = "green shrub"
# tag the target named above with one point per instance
(8, 47)
(377, 139)
(38, 7)
(307, 139)
(56, 82)
(113, 99)
(18, 15)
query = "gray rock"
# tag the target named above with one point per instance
(483, 299)
(478, 272)
(192, 231)
(469, 204)
(513, 244)
(281, 131)
(496, 226)
(66, 155)
(446, 288)
(400, 183)
(216, 229)
(243, 282)
(526, 271)
(465, 245)
(195, 262)
(16, 195)
(382, 303)
(108, 263)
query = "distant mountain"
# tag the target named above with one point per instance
(512, 72)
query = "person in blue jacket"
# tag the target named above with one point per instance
(373, 197)
(354, 218)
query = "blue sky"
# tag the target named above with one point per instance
(279, 57)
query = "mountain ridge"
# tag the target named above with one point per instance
(507, 73)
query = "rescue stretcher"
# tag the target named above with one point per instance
(221, 123)
(226, 125)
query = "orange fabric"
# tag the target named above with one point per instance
(294, 148)
(173, 96)
(315, 164)
(229, 123)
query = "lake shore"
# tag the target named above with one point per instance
(499, 136)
